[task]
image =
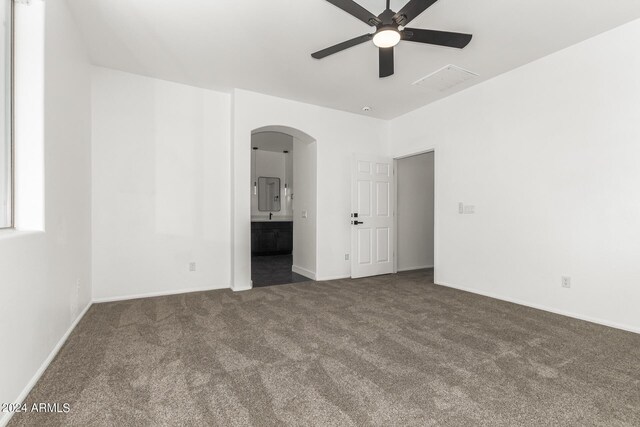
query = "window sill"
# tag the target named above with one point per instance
(12, 233)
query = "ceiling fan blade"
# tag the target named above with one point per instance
(411, 10)
(440, 38)
(354, 9)
(386, 61)
(341, 46)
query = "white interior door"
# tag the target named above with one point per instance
(372, 225)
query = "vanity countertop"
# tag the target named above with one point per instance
(265, 218)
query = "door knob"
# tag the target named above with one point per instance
(357, 222)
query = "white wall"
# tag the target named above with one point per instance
(161, 186)
(45, 276)
(287, 201)
(271, 146)
(338, 135)
(305, 199)
(548, 154)
(274, 165)
(414, 176)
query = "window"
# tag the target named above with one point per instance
(6, 103)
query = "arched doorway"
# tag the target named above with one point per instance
(283, 205)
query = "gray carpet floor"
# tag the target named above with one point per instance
(390, 350)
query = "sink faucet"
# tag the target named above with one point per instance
(270, 215)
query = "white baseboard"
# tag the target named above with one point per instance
(6, 417)
(304, 272)
(545, 308)
(156, 294)
(325, 278)
(421, 267)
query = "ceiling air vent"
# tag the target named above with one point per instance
(445, 78)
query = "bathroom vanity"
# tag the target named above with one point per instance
(271, 237)
(271, 225)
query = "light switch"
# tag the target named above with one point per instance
(304, 214)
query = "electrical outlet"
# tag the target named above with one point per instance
(566, 281)
(466, 209)
(346, 257)
(192, 266)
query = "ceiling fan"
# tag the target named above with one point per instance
(390, 29)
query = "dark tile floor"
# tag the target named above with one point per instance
(267, 270)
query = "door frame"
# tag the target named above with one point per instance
(435, 208)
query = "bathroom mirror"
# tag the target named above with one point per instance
(268, 194)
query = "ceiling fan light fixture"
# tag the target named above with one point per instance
(386, 37)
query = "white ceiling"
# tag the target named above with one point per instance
(265, 45)
(272, 141)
